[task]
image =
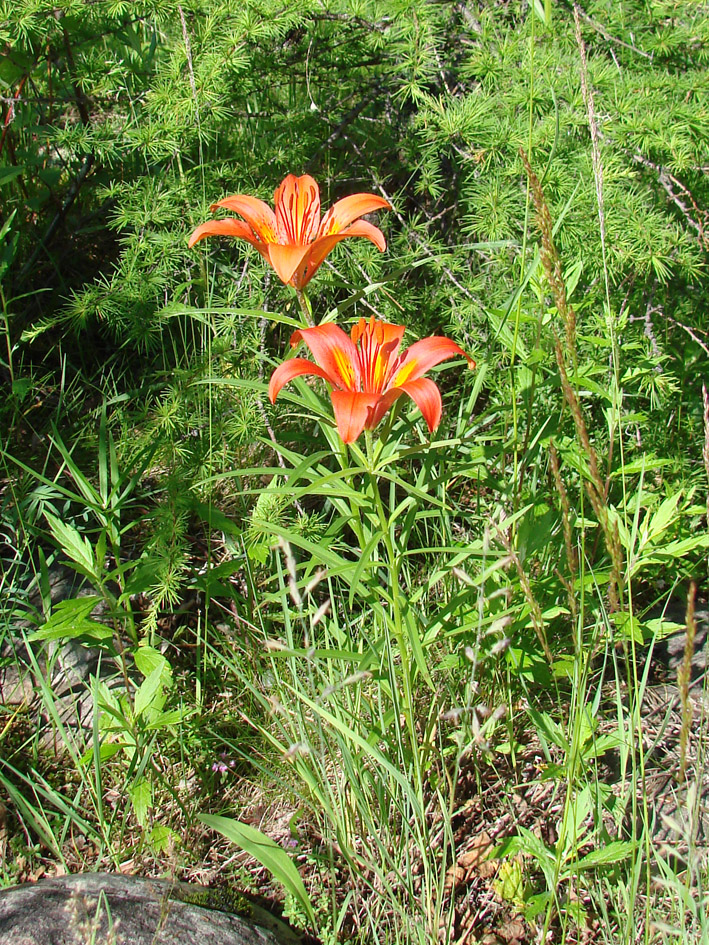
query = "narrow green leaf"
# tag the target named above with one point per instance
(412, 635)
(8, 174)
(267, 852)
(364, 563)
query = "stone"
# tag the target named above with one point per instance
(16, 686)
(107, 909)
(668, 651)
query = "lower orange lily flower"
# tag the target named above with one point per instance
(367, 373)
(293, 239)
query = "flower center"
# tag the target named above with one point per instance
(375, 354)
(298, 214)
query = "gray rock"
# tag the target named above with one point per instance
(16, 685)
(104, 909)
(668, 650)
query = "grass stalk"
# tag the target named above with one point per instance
(594, 484)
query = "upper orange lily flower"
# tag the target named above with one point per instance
(294, 240)
(367, 373)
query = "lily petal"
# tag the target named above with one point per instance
(286, 371)
(235, 228)
(352, 410)
(386, 401)
(334, 352)
(385, 334)
(286, 259)
(257, 214)
(297, 201)
(369, 231)
(423, 355)
(349, 209)
(323, 245)
(427, 398)
(425, 395)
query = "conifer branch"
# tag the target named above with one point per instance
(671, 185)
(411, 232)
(607, 36)
(690, 331)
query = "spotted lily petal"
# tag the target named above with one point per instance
(384, 404)
(334, 352)
(425, 354)
(369, 232)
(236, 228)
(286, 259)
(297, 202)
(378, 344)
(427, 397)
(323, 245)
(296, 367)
(349, 209)
(257, 214)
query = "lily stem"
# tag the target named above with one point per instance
(305, 307)
(397, 623)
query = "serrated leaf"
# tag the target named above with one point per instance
(173, 717)
(106, 751)
(615, 852)
(141, 797)
(148, 659)
(628, 626)
(547, 727)
(162, 838)
(142, 578)
(526, 842)
(663, 517)
(69, 620)
(149, 692)
(76, 546)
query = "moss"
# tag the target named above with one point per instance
(222, 899)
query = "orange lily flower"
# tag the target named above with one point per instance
(293, 239)
(367, 373)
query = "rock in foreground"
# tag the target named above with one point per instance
(104, 909)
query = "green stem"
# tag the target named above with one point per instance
(305, 307)
(393, 568)
(8, 343)
(356, 520)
